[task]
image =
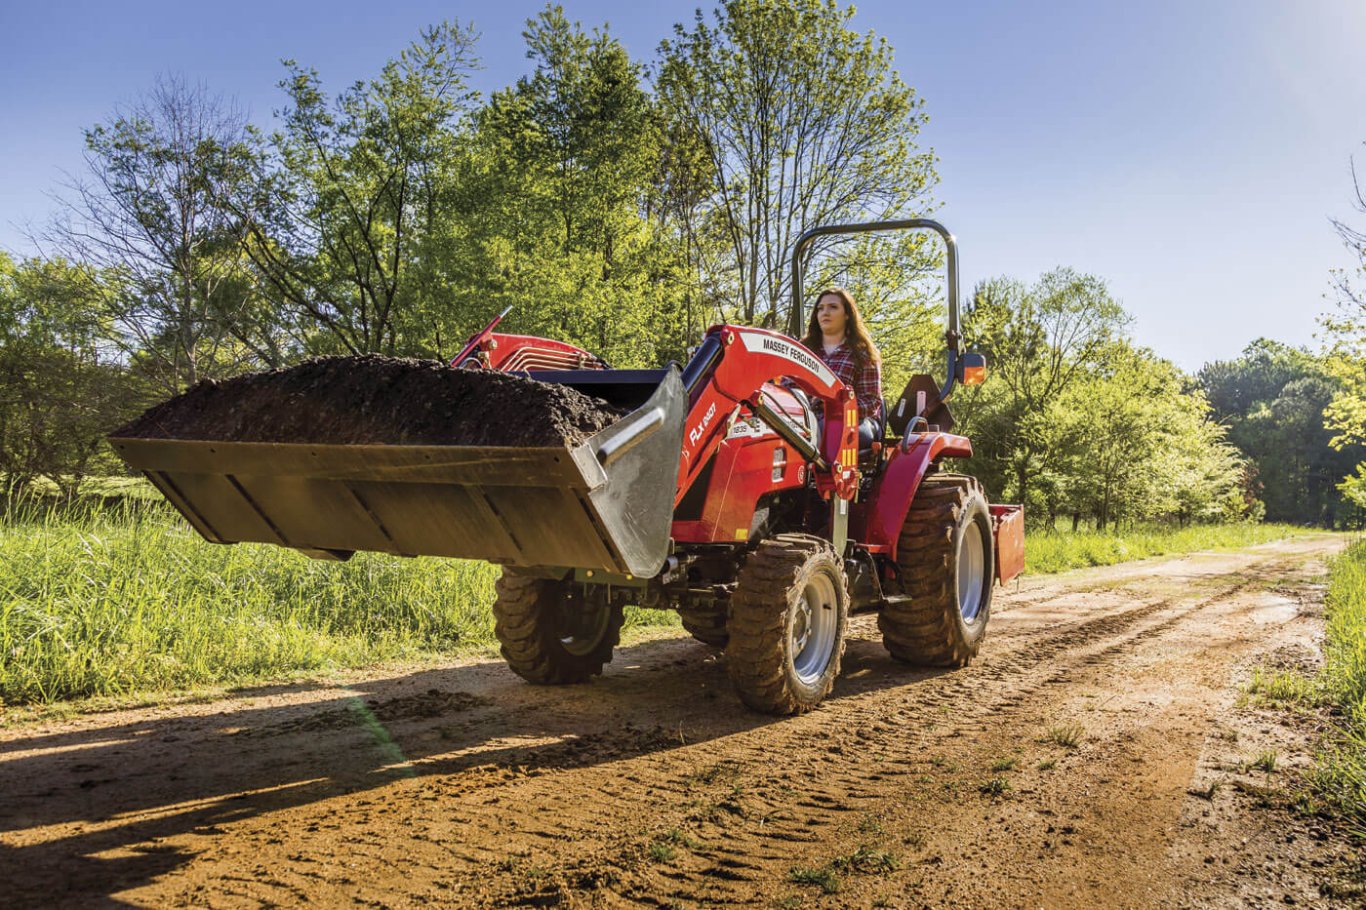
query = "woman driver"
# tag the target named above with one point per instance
(837, 335)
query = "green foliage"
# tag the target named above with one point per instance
(1272, 398)
(1068, 736)
(60, 392)
(1040, 341)
(783, 118)
(997, 786)
(558, 194)
(1137, 446)
(146, 211)
(867, 860)
(343, 208)
(1076, 421)
(1345, 415)
(1285, 688)
(1353, 486)
(1341, 775)
(824, 877)
(1346, 336)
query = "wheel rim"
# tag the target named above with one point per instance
(971, 569)
(813, 629)
(586, 625)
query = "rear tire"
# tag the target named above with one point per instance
(945, 557)
(788, 618)
(707, 625)
(549, 636)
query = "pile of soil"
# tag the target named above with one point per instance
(372, 399)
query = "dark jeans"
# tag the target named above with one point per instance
(869, 432)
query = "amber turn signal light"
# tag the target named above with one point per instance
(972, 369)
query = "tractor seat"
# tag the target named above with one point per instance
(869, 461)
(920, 399)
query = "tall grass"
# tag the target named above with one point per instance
(1341, 775)
(1046, 553)
(107, 601)
(110, 599)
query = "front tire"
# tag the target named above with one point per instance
(946, 562)
(788, 619)
(549, 635)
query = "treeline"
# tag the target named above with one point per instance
(620, 204)
(617, 203)
(1273, 398)
(1081, 425)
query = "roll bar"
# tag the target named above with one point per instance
(953, 336)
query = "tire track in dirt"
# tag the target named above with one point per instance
(992, 689)
(834, 783)
(653, 787)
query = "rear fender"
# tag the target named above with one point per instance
(1007, 527)
(878, 523)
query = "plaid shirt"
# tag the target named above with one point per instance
(867, 384)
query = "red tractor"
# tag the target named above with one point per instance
(733, 491)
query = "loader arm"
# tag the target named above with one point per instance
(728, 373)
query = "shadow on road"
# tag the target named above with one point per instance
(94, 806)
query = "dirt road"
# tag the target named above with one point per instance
(1093, 756)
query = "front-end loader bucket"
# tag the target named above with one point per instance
(604, 504)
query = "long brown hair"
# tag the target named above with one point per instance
(855, 332)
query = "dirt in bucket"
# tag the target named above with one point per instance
(371, 399)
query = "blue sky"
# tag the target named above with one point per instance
(1191, 153)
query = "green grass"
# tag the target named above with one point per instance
(1340, 777)
(117, 597)
(109, 601)
(824, 877)
(1049, 552)
(1068, 736)
(1283, 689)
(997, 786)
(867, 860)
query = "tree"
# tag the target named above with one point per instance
(1141, 445)
(60, 391)
(1272, 399)
(558, 202)
(793, 120)
(1041, 341)
(146, 210)
(340, 213)
(1346, 331)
